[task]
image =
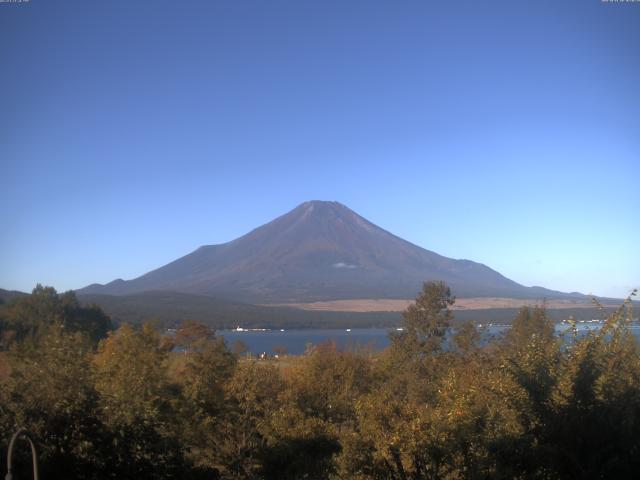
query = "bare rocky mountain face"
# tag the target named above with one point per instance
(319, 251)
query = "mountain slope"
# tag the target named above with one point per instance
(318, 251)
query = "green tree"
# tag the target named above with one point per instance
(427, 319)
(202, 381)
(252, 398)
(51, 393)
(466, 338)
(137, 404)
(531, 324)
(580, 413)
(28, 316)
(316, 408)
(89, 319)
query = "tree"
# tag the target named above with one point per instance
(466, 338)
(202, 381)
(581, 405)
(129, 374)
(52, 394)
(90, 319)
(241, 438)
(531, 323)
(318, 403)
(190, 335)
(427, 319)
(136, 401)
(28, 316)
(203, 378)
(239, 348)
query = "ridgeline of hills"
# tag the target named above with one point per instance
(171, 308)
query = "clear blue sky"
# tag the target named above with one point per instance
(132, 132)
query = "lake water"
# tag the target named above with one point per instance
(295, 341)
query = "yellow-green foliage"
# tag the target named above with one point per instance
(529, 405)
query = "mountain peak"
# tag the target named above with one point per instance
(321, 206)
(320, 250)
(320, 203)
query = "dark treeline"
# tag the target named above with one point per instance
(122, 404)
(171, 308)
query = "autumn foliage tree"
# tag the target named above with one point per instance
(531, 404)
(190, 335)
(129, 371)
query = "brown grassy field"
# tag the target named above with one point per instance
(390, 305)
